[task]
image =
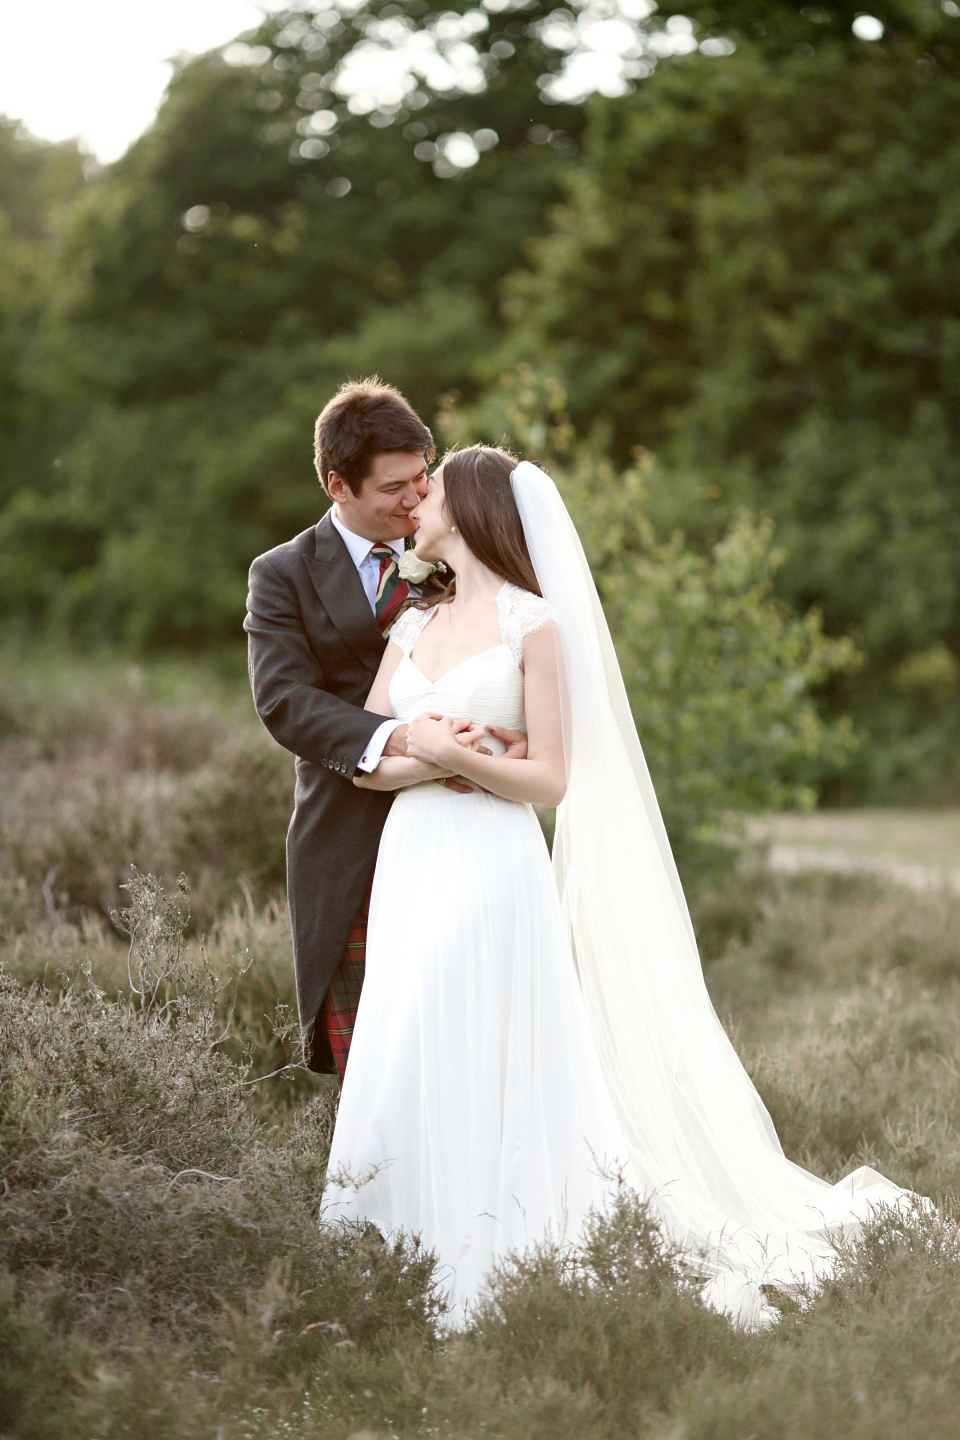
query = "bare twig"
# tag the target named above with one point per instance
(204, 1175)
(46, 890)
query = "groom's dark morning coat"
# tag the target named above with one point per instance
(314, 647)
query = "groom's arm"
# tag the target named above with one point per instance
(288, 683)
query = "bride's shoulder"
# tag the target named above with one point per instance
(521, 613)
(405, 630)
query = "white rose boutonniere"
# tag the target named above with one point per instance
(414, 570)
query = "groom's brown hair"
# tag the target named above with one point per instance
(365, 418)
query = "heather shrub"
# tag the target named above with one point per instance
(89, 787)
(836, 929)
(141, 1187)
(39, 1371)
(231, 821)
(875, 1354)
(867, 1079)
(620, 1319)
(70, 831)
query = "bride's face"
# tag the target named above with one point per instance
(433, 525)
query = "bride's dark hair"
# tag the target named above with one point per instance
(478, 498)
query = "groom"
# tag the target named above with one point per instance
(317, 609)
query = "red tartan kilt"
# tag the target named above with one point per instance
(338, 1013)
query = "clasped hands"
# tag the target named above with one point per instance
(439, 740)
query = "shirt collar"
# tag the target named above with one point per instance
(358, 545)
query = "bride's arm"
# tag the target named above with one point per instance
(394, 772)
(541, 777)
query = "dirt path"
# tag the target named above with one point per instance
(919, 848)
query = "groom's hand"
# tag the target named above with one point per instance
(515, 741)
(472, 735)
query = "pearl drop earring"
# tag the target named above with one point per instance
(453, 529)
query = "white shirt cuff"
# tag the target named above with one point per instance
(373, 754)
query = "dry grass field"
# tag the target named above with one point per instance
(162, 1269)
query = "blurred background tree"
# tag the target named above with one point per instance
(746, 263)
(757, 276)
(215, 285)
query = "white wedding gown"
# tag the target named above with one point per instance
(473, 1089)
(494, 1088)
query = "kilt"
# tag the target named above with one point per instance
(338, 1013)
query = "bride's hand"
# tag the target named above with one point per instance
(433, 738)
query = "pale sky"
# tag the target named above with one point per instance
(98, 68)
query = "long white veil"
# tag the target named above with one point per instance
(698, 1136)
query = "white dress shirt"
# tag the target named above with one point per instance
(368, 568)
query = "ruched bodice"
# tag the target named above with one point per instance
(486, 687)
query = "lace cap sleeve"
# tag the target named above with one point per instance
(405, 630)
(521, 613)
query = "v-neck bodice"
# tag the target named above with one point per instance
(486, 687)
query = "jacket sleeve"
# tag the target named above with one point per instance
(287, 681)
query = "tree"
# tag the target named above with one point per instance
(36, 181)
(261, 241)
(757, 276)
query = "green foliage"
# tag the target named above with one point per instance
(756, 277)
(37, 182)
(913, 28)
(215, 286)
(39, 1371)
(720, 674)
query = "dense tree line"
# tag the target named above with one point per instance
(747, 264)
(757, 276)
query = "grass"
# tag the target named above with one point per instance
(162, 1269)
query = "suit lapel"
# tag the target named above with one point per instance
(338, 585)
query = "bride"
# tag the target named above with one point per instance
(524, 1038)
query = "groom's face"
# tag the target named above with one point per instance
(395, 484)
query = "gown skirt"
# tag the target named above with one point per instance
(473, 1111)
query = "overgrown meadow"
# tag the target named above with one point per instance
(162, 1268)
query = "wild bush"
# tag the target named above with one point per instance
(140, 1185)
(89, 788)
(39, 1371)
(621, 1318)
(867, 1078)
(875, 1354)
(232, 819)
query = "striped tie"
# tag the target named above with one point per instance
(392, 592)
